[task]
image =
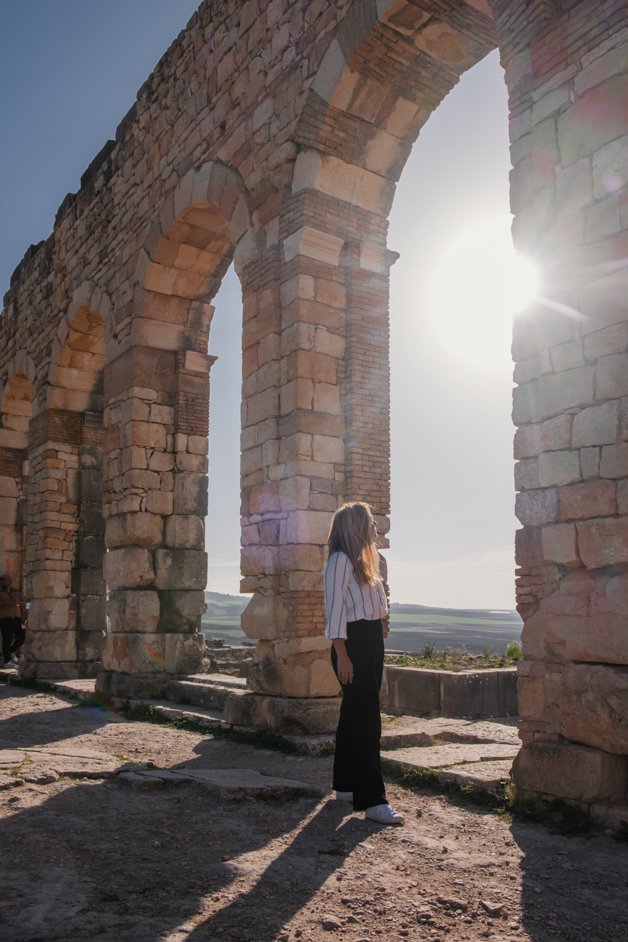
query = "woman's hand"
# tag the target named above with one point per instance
(345, 669)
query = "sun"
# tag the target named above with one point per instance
(476, 289)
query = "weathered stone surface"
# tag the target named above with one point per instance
(180, 569)
(589, 499)
(133, 610)
(559, 544)
(128, 567)
(558, 467)
(596, 426)
(181, 611)
(564, 770)
(603, 542)
(593, 702)
(534, 508)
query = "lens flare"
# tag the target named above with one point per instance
(480, 284)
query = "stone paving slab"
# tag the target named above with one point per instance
(485, 776)
(440, 757)
(225, 783)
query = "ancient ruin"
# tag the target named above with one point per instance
(272, 133)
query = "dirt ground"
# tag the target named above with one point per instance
(92, 850)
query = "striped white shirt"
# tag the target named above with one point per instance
(348, 600)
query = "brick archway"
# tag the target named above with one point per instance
(296, 133)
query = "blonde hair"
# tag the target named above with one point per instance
(350, 533)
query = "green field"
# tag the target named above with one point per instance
(411, 626)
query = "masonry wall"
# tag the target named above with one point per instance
(272, 133)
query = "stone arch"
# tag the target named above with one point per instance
(359, 119)
(65, 497)
(77, 356)
(16, 397)
(204, 225)
(157, 419)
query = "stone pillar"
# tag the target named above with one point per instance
(315, 430)
(11, 499)
(156, 422)
(52, 526)
(88, 584)
(571, 405)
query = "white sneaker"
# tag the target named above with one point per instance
(344, 796)
(384, 814)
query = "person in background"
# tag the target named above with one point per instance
(356, 609)
(10, 621)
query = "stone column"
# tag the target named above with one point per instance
(52, 526)
(315, 412)
(156, 421)
(571, 406)
(88, 584)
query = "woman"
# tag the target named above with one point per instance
(355, 604)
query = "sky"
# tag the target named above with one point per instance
(69, 71)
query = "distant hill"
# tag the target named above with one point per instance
(411, 626)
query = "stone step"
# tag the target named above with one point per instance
(213, 692)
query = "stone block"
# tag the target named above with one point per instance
(185, 531)
(609, 340)
(50, 584)
(527, 474)
(181, 611)
(612, 376)
(266, 616)
(90, 551)
(304, 675)
(190, 494)
(133, 610)
(551, 435)
(590, 462)
(184, 653)
(589, 499)
(534, 508)
(132, 653)
(593, 705)
(50, 615)
(596, 118)
(622, 497)
(554, 394)
(295, 716)
(91, 613)
(54, 645)
(559, 544)
(576, 637)
(244, 709)
(180, 569)
(160, 502)
(568, 771)
(603, 542)
(307, 526)
(597, 425)
(558, 467)
(614, 461)
(129, 567)
(407, 691)
(137, 529)
(89, 645)
(327, 448)
(88, 582)
(528, 547)
(610, 168)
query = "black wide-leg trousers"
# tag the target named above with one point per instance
(357, 764)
